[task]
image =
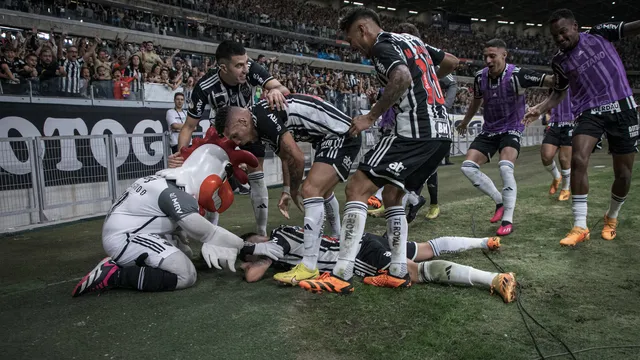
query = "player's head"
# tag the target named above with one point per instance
(407, 28)
(233, 62)
(564, 29)
(252, 238)
(495, 55)
(361, 27)
(236, 124)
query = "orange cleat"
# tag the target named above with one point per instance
(505, 285)
(384, 279)
(374, 202)
(564, 195)
(554, 186)
(329, 283)
(609, 229)
(493, 243)
(575, 236)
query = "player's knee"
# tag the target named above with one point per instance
(392, 195)
(179, 264)
(506, 167)
(579, 161)
(310, 190)
(623, 175)
(469, 168)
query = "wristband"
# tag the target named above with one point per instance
(286, 189)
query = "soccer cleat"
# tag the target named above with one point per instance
(497, 216)
(434, 212)
(413, 209)
(575, 236)
(493, 243)
(609, 229)
(384, 279)
(374, 202)
(505, 285)
(564, 195)
(295, 275)
(376, 213)
(554, 186)
(98, 278)
(329, 283)
(505, 229)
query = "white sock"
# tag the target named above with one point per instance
(259, 201)
(379, 193)
(454, 244)
(332, 211)
(481, 181)
(213, 217)
(553, 169)
(353, 221)
(579, 207)
(566, 179)
(614, 206)
(412, 198)
(313, 220)
(447, 272)
(397, 229)
(510, 189)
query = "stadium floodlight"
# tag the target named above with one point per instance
(539, 24)
(391, 9)
(474, 19)
(413, 12)
(483, 20)
(345, 1)
(381, 7)
(357, 3)
(531, 24)
(502, 22)
(503, 8)
(511, 22)
(585, 27)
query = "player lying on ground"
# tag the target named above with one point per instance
(374, 257)
(305, 119)
(134, 232)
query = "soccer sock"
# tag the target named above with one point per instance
(213, 217)
(579, 207)
(446, 272)
(509, 191)
(313, 221)
(614, 206)
(566, 179)
(553, 169)
(353, 221)
(397, 229)
(379, 193)
(332, 211)
(260, 201)
(432, 187)
(454, 244)
(481, 181)
(145, 278)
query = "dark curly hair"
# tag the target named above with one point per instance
(222, 116)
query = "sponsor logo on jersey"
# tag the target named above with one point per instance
(396, 168)
(274, 119)
(608, 26)
(613, 107)
(380, 68)
(591, 61)
(633, 130)
(532, 78)
(347, 162)
(246, 90)
(175, 203)
(387, 254)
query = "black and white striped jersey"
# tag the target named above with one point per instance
(212, 91)
(71, 82)
(420, 111)
(291, 239)
(307, 118)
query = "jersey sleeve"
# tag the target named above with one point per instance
(610, 31)
(258, 75)
(477, 89)
(561, 79)
(269, 125)
(530, 78)
(386, 56)
(437, 55)
(176, 204)
(198, 102)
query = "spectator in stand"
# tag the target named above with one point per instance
(175, 119)
(102, 60)
(10, 65)
(70, 85)
(149, 57)
(136, 71)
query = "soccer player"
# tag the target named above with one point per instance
(233, 83)
(558, 137)
(420, 140)
(305, 119)
(500, 86)
(374, 257)
(135, 229)
(602, 102)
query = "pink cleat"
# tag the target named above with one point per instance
(505, 229)
(99, 278)
(498, 215)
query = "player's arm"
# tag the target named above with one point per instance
(631, 29)
(198, 102)
(448, 65)
(530, 78)
(276, 92)
(275, 249)
(560, 86)
(291, 154)
(616, 31)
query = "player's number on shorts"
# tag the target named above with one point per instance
(433, 95)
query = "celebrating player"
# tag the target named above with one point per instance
(421, 138)
(602, 102)
(304, 119)
(374, 256)
(558, 137)
(134, 232)
(234, 83)
(500, 86)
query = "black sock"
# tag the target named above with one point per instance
(146, 278)
(505, 223)
(432, 187)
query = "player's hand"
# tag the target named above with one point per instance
(269, 249)
(175, 160)
(360, 123)
(283, 204)
(462, 128)
(532, 114)
(297, 199)
(276, 100)
(219, 257)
